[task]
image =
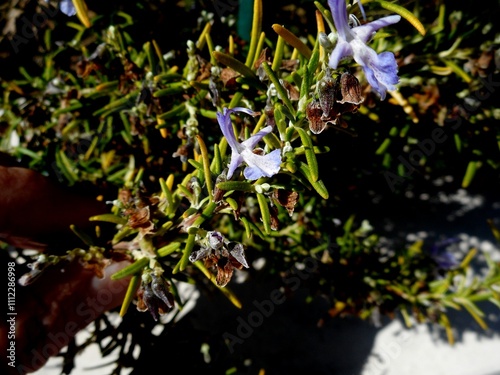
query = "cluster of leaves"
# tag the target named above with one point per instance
(139, 121)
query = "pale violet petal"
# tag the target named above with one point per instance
(365, 32)
(226, 127)
(254, 139)
(236, 160)
(257, 165)
(341, 51)
(383, 74)
(248, 111)
(261, 165)
(380, 70)
(339, 14)
(388, 67)
(67, 7)
(361, 8)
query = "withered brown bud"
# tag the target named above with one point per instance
(265, 55)
(150, 300)
(237, 253)
(204, 70)
(314, 115)
(224, 272)
(202, 253)
(350, 89)
(269, 111)
(160, 290)
(326, 95)
(289, 65)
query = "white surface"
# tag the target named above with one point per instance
(399, 351)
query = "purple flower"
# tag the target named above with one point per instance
(257, 165)
(444, 259)
(380, 69)
(67, 7)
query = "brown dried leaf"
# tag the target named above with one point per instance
(265, 55)
(290, 65)
(224, 272)
(140, 218)
(293, 92)
(228, 77)
(287, 199)
(273, 211)
(204, 71)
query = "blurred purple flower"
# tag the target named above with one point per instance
(444, 259)
(380, 69)
(67, 7)
(257, 165)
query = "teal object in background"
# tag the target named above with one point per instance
(244, 24)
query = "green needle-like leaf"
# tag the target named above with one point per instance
(130, 295)
(470, 173)
(264, 212)
(312, 162)
(293, 40)
(132, 269)
(168, 249)
(255, 32)
(234, 64)
(109, 218)
(181, 266)
(236, 185)
(281, 90)
(206, 166)
(405, 13)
